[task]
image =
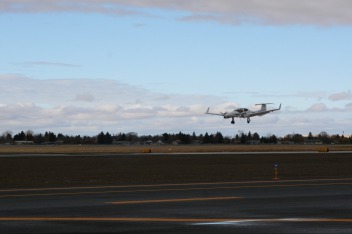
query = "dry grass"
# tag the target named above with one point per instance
(118, 166)
(112, 149)
(37, 171)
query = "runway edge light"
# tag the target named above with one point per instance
(276, 172)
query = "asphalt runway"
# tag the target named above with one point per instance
(273, 206)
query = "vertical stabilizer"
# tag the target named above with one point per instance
(263, 108)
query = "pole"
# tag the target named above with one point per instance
(276, 172)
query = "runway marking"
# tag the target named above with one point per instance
(173, 200)
(206, 221)
(169, 189)
(181, 184)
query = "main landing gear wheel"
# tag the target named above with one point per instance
(248, 120)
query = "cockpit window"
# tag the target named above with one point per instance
(241, 110)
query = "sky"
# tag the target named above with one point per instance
(155, 66)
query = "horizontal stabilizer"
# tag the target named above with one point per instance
(263, 104)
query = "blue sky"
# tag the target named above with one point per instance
(153, 67)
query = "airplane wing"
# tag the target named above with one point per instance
(209, 113)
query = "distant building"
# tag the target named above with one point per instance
(312, 142)
(24, 142)
(177, 142)
(121, 142)
(198, 142)
(253, 142)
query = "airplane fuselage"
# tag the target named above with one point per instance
(245, 113)
(240, 113)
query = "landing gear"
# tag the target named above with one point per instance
(248, 120)
(233, 121)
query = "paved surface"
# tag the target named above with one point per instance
(275, 206)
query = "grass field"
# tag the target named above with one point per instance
(114, 169)
(86, 149)
(114, 165)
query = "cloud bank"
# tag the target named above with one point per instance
(89, 106)
(269, 12)
(341, 96)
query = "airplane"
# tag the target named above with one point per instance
(244, 112)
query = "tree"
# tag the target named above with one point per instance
(132, 136)
(6, 137)
(184, 138)
(194, 136)
(218, 138)
(29, 135)
(77, 139)
(60, 137)
(49, 137)
(310, 136)
(108, 138)
(20, 136)
(297, 138)
(237, 138)
(249, 136)
(206, 138)
(39, 139)
(256, 136)
(273, 139)
(243, 138)
(104, 138)
(122, 137)
(227, 140)
(165, 138)
(269, 139)
(101, 138)
(324, 137)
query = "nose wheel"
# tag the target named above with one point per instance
(233, 121)
(248, 120)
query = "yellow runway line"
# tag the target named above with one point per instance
(171, 185)
(170, 189)
(174, 200)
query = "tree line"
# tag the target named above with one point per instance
(170, 138)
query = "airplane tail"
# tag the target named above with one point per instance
(263, 108)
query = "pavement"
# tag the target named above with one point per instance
(272, 206)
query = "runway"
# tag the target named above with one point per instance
(271, 206)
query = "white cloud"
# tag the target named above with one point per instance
(349, 106)
(273, 12)
(319, 107)
(89, 106)
(84, 97)
(69, 105)
(46, 63)
(318, 95)
(341, 96)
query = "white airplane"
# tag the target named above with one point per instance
(244, 112)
